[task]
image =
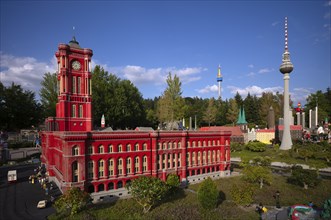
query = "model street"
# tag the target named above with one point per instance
(19, 200)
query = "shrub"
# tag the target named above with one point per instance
(242, 195)
(234, 146)
(256, 146)
(72, 201)
(173, 180)
(304, 178)
(208, 194)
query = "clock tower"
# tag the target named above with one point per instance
(74, 106)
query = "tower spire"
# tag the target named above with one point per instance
(286, 39)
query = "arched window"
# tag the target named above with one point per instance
(110, 148)
(226, 142)
(159, 146)
(119, 184)
(193, 158)
(128, 147)
(209, 143)
(128, 165)
(120, 148)
(164, 146)
(101, 187)
(144, 146)
(90, 149)
(120, 166)
(188, 144)
(75, 151)
(209, 157)
(110, 186)
(101, 149)
(179, 145)
(213, 142)
(136, 147)
(136, 164)
(90, 169)
(214, 156)
(199, 158)
(169, 145)
(101, 168)
(204, 143)
(218, 155)
(145, 163)
(204, 157)
(175, 145)
(188, 161)
(74, 167)
(111, 167)
(193, 143)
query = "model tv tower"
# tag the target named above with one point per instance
(219, 80)
(286, 68)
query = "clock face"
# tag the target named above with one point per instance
(76, 65)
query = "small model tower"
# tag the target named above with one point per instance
(219, 80)
(286, 68)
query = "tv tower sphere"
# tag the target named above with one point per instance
(286, 68)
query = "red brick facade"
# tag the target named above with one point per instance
(102, 163)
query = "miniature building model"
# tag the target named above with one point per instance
(103, 162)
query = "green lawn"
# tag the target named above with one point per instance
(280, 156)
(184, 204)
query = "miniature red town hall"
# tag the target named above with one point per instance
(103, 162)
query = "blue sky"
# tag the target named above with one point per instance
(143, 40)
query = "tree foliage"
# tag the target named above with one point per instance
(323, 100)
(18, 108)
(72, 201)
(257, 171)
(147, 190)
(173, 180)
(171, 104)
(119, 100)
(208, 194)
(210, 113)
(48, 94)
(242, 195)
(232, 113)
(303, 177)
(256, 146)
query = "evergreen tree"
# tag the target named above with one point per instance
(171, 104)
(210, 113)
(232, 114)
(238, 99)
(324, 104)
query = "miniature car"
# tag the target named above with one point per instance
(42, 204)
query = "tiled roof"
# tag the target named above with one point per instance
(235, 130)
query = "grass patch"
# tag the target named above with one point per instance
(184, 205)
(280, 156)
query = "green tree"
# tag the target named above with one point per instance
(171, 104)
(48, 94)
(72, 201)
(208, 194)
(323, 101)
(232, 114)
(303, 177)
(258, 171)
(147, 190)
(252, 109)
(242, 195)
(173, 180)
(119, 100)
(239, 99)
(210, 113)
(14, 118)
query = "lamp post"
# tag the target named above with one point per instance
(277, 199)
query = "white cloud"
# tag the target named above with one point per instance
(253, 90)
(208, 89)
(251, 74)
(25, 71)
(251, 66)
(300, 95)
(139, 75)
(328, 3)
(265, 70)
